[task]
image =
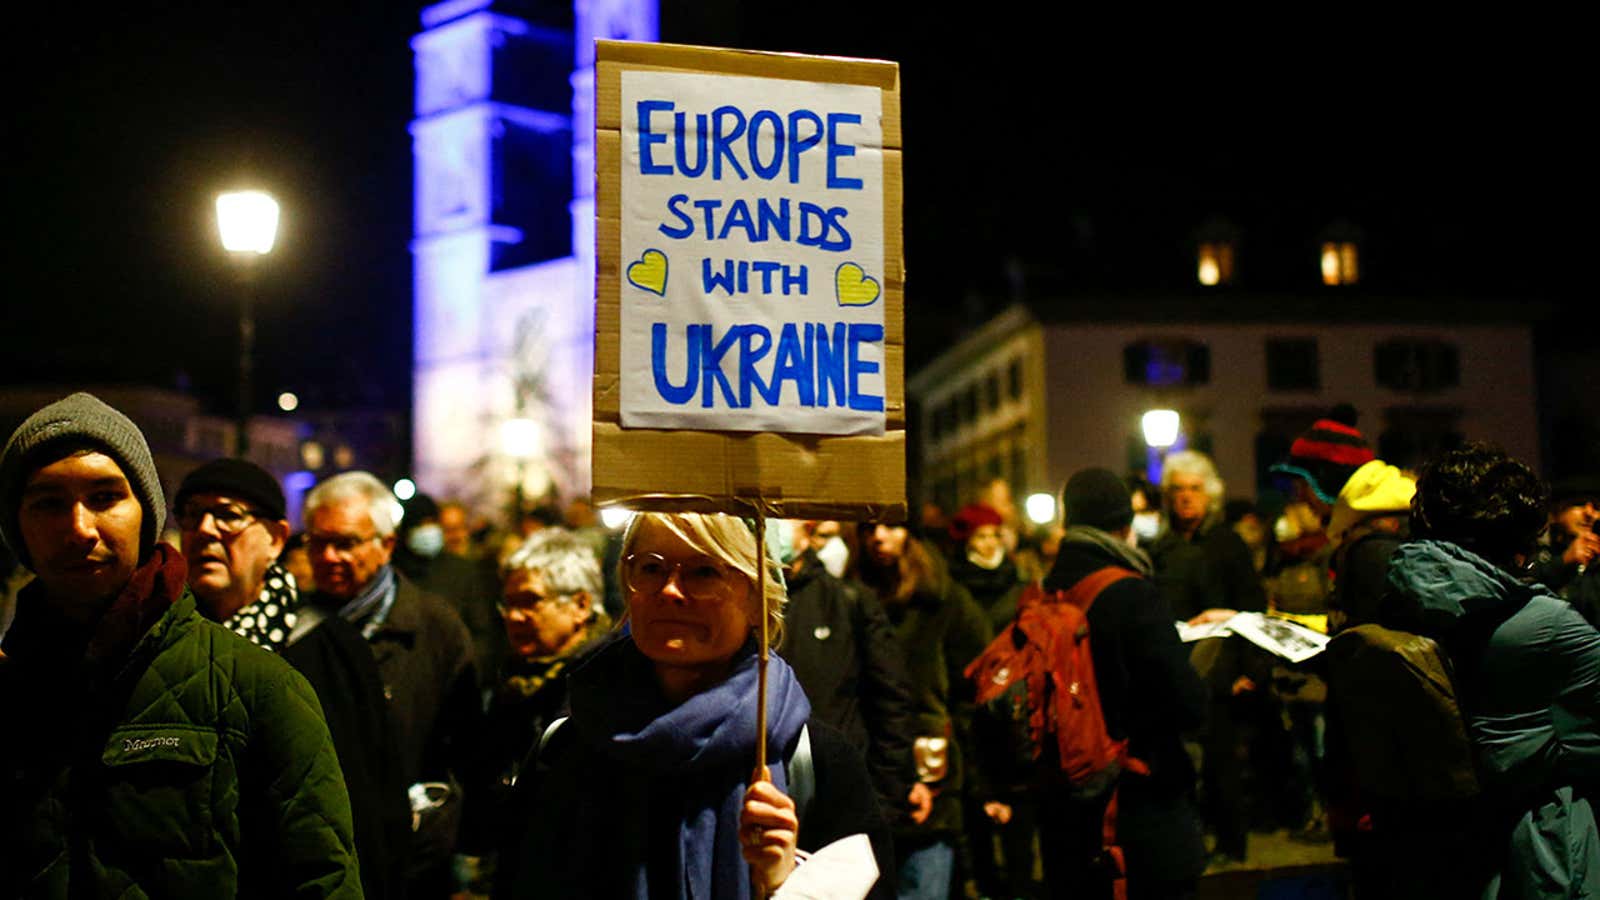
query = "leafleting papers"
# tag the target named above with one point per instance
(1293, 642)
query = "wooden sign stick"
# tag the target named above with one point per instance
(766, 637)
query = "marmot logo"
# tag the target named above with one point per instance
(134, 745)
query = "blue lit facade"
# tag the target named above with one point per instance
(504, 240)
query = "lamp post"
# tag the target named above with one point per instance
(248, 222)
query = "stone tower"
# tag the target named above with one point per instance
(503, 242)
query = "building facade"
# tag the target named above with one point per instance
(1035, 395)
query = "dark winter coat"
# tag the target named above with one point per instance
(996, 591)
(1527, 670)
(1211, 569)
(582, 776)
(941, 630)
(425, 658)
(1149, 694)
(839, 642)
(339, 665)
(201, 768)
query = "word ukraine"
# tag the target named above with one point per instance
(823, 367)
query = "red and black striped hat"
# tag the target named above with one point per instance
(1326, 457)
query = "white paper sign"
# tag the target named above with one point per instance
(752, 247)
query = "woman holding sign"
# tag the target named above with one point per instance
(647, 790)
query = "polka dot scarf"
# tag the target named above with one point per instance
(268, 621)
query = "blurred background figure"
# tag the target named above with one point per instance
(1565, 559)
(470, 585)
(983, 565)
(839, 642)
(551, 613)
(1205, 573)
(940, 630)
(296, 560)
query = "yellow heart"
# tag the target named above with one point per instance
(853, 286)
(650, 272)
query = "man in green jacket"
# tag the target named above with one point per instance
(148, 751)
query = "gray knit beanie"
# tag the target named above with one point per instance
(81, 419)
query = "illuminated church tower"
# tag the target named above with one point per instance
(503, 246)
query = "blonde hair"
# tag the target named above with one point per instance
(727, 539)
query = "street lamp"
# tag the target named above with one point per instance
(1041, 508)
(248, 222)
(1160, 428)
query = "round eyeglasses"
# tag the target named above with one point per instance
(698, 579)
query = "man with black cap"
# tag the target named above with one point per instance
(231, 513)
(1149, 694)
(149, 752)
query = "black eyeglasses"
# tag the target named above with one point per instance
(228, 518)
(698, 579)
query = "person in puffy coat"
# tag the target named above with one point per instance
(148, 751)
(1527, 674)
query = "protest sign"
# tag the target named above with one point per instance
(749, 338)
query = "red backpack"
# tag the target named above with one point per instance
(1038, 677)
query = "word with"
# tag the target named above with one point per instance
(817, 364)
(725, 125)
(735, 279)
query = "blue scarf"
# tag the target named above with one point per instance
(372, 604)
(701, 751)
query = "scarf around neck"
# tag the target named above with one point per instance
(42, 634)
(268, 621)
(698, 753)
(369, 609)
(1132, 557)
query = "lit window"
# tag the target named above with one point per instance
(1215, 263)
(1339, 263)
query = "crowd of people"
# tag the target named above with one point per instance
(398, 700)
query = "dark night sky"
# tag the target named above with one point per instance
(1087, 150)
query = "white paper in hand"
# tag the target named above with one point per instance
(843, 870)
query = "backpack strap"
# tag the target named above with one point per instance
(1084, 593)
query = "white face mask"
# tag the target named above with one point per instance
(1146, 525)
(426, 540)
(834, 556)
(991, 562)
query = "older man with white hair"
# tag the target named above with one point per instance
(1205, 572)
(423, 651)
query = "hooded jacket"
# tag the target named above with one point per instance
(1528, 674)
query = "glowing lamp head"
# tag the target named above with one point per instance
(405, 489)
(248, 221)
(1041, 508)
(1160, 428)
(615, 517)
